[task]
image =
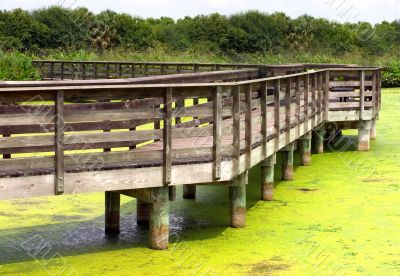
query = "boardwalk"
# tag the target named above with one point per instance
(192, 124)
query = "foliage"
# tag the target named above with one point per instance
(391, 75)
(17, 66)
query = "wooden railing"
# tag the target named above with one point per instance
(84, 70)
(60, 138)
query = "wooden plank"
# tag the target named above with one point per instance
(288, 104)
(277, 113)
(217, 132)
(306, 98)
(248, 124)
(236, 128)
(298, 104)
(326, 95)
(167, 136)
(362, 94)
(338, 95)
(314, 99)
(320, 96)
(354, 105)
(59, 144)
(264, 117)
(374, 92)
(355, 84)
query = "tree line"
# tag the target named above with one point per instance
(249, 32)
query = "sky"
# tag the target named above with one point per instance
(373, 11)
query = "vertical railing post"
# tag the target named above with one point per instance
(249, 124)
(51, 70)
(314, 99)
(277, 116)
(374, 92)
(298, 111)
(264, 118)
(306, 99)
(326, 96)
(107, 70)
(95, 70)
(379, 90)
(59, 143)
(362, 94)
(167, 135)
(288, 100)
(320, 96)
(217, 130)
(236, 128)
(62, 70)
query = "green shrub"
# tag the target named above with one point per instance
(17, 66)
(391, 75)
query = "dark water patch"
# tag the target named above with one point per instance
(306, 190)
(62, 218)
(372, 180)
(29, 202)
(268, 267)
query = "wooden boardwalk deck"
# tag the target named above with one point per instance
(143, 136)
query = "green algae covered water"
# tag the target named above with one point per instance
(340, 216)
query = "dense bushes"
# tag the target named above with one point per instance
(249, 32)
(17, 66)
(391, 75)
(252, 37)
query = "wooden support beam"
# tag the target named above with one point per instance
(318, 140)
(189, 191)
(288, 112)
(217, 132)
(314, 88)
(267, 178)
(362, 94)
(248, 126)
(143, 209)
(364, 134)
(298, 106)
(264, 119)
(305, 149)
(287, 162)
(167, 136)
(236, 129)
(306, 99)
(59, 144)
(320, 96)
(112, 210)
(326, 95)
(277, 119)
(172, 193)
(373, 129)
(237, 196)
(159, 219)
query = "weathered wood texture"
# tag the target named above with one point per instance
(223, 129)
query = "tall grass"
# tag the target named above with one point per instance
(18, 66)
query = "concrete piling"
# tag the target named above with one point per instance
(364, 133)
(267, 178)
(237, 196)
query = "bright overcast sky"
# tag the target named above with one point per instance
(338, 10)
